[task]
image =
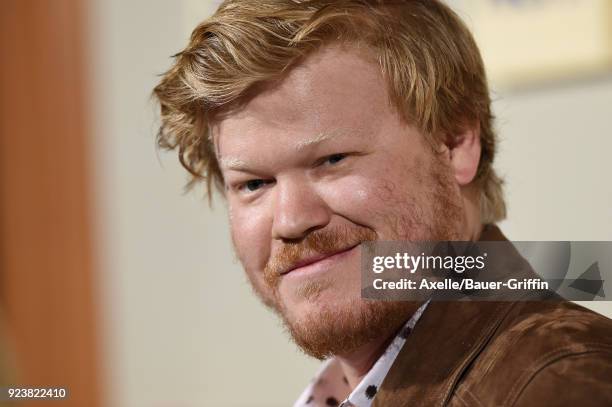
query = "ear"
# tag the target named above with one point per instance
(464, 154)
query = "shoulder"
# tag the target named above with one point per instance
(543, 352)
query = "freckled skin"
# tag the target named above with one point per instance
(388, 182)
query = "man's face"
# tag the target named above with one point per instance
(314, 165)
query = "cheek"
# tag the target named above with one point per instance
(356, 198)
(250, 232)
(388, 200)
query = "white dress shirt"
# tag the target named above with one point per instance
(329, 387)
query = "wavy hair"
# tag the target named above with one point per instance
(429, 59)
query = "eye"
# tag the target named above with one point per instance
(252, 185)
(335, 158)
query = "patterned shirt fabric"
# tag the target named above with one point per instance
(329, 387)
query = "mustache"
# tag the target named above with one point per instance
(320, 242)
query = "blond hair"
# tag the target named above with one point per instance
(434, 71)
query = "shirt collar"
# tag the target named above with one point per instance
(329, 386)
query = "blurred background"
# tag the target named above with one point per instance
(117, 285)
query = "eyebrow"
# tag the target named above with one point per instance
(320, 138)
(237, 164)
(233, 163)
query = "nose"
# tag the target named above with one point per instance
(299, 209)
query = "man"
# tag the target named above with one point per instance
(329, 124)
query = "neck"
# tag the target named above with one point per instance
(358, 363)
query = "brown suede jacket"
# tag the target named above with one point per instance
(532, 353)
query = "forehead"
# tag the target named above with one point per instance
(334, 90)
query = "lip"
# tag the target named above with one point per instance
(315, 260)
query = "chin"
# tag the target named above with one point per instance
(323, 329)
(318, 295)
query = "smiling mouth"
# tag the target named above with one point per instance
(316, 259)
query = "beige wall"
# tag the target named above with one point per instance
(183, 328)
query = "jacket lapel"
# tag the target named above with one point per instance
(447, 338)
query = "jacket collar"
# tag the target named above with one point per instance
(448, 337)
